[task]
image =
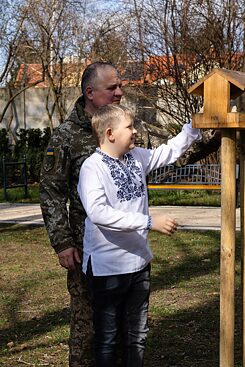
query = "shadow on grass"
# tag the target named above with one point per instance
(22, 331)
(192, 264)
(15, 228)
(190, 338)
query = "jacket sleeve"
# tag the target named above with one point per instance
(210, 143)
(54, 192)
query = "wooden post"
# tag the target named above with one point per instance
(227, 256)
(218, 89)
(242, 206)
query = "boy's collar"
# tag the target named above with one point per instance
(125, 156)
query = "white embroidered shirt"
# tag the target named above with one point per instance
(114, 195)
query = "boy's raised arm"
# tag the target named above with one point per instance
(168, 153)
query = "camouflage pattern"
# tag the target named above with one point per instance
(209, 144)
(71, 143)
(81, 326)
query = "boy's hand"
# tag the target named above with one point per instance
(163, 224)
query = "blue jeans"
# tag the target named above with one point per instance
(120, 308)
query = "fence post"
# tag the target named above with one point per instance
(25, 176)
(5, 196)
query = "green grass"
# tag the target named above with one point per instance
(156, 197)
(17, 195)
(184, 197)
(184, 303)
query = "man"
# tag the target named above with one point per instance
(71, 143)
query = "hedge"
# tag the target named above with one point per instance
(30, 146)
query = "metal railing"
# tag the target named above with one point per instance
(206, 175)
(14, 175)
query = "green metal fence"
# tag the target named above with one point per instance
(14, 174)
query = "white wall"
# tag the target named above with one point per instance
(29, 108)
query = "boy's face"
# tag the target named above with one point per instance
(124, 135)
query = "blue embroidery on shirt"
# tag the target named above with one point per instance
(127, 176)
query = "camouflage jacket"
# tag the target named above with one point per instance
(209, 144)
(71, 143)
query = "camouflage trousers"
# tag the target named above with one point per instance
(81, 328)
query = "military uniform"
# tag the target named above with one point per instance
(71, 143)
(209, 144)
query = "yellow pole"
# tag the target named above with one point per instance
(227, 256)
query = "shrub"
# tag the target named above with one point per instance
(30, 146)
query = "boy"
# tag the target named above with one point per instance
(116, 261)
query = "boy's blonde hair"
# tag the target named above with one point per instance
(108, 117)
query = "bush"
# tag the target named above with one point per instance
(30, 146)
(4, 143)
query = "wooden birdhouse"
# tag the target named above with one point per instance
(218, 89)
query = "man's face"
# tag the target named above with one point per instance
(107, 88)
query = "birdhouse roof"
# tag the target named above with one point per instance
(236, 78)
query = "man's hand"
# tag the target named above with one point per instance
(163, 224)
(69, 257)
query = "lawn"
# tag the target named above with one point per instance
(17, 194)
(184, 304)
(156, 197)
(185, 197)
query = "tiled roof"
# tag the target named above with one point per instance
(30, 74)
(153, 69)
